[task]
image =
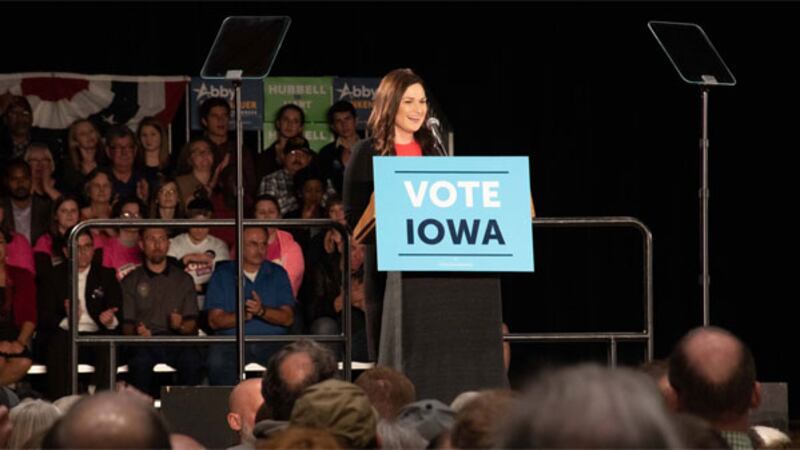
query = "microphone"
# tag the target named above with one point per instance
(433, 124)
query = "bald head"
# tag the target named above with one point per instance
(243, 403)
(713, 374)
(109, 420)
(295, 369)
(715, 354)
(292, 369)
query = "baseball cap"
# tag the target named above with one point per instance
(429, 417)
(339, 407)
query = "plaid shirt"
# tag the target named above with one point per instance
(738, 440)
(281, 185)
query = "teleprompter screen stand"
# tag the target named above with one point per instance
(245, 48)
(698, 63)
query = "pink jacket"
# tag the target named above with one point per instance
(291, 260)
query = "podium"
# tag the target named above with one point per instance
(443, 330)
(441, 319)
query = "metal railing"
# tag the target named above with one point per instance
(111, 341)
(612, 338)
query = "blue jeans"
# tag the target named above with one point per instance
(222, 369)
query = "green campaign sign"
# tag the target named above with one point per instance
(313, 94)
(318, 135)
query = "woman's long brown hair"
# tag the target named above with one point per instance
(384, 109)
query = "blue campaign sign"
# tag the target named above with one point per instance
(252, 100)
(457, 214)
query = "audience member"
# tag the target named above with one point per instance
(327, 298)
(198, 173)
(123, 252)
(166, 201)
(431, 418)
(294, 368)
(289, 122)
(341, 408)
(588, 406)
(198, 251)
(295, 438)
(388, 390)
(396, 436)
(18, 250)
(99, 313)
(280, 184)
(126, 179)
(269, 307)
(30, 420)
(17, 129)
(17, 317)
(25, 213)
(43, 167)
(159, 299)
(311, 196)
(215, 118)
(199, 179)
(478, 421)
(334, 156)
(99, 194)
(243, 403)
(698, 433)
(65, 403)
(109, 420)
(281, 248)
(331, 240)
(181, 441)
(86, 153)
(154, 142)
(713, 375)
(48, 251)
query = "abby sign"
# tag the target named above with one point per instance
(457, 214)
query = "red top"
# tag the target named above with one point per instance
(411, 149)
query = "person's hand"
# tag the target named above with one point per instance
(5, 426)
(142, 190)
(202, 258)
(218, 171)
(357, 296)
(175, 320)
(15, 348)
(107, 317)
(142, 330)
(338, 303)
(333, 241)
(5, 347)
(253, 306)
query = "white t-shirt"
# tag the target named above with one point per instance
(182, 245)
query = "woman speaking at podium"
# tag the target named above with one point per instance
(433, 325)
(395, 128)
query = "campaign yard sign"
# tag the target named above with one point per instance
(457, 214)
(252, 101)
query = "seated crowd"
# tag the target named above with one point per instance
(700, 397)
(163, 281)
(166, 281)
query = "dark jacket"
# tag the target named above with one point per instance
(40, 216)
(102, 292)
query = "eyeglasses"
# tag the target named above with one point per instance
(129, 215)
(168, 191)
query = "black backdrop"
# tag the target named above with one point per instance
(584, 89)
